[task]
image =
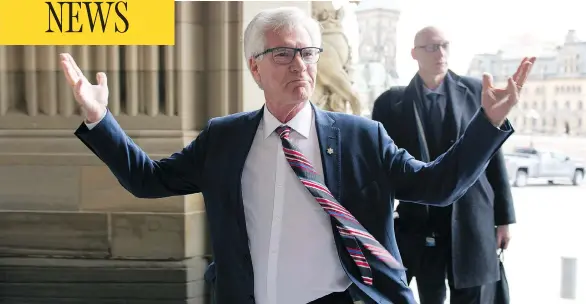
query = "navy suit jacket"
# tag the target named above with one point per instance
(366, 172)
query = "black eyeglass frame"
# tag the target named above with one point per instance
(434, 47)
(295, 51)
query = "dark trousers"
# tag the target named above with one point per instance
(430, 265)
(335, 298)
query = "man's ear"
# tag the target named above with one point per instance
(254, 70)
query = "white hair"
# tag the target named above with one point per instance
(278, 19)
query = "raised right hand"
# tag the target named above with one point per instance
(93, 99)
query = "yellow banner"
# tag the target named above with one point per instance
(51, 22)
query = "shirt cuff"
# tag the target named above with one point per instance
(93, 124)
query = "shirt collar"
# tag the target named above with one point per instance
(301, 123)
(439, 90)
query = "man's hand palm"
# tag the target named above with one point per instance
(92, 95)
(93, 99)
(498, 102)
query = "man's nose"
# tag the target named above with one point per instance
(298, 64)
(443, 50)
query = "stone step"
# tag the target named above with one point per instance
(127, 291)
(11, 300)
(72, 281)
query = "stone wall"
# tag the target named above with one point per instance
(69, 233)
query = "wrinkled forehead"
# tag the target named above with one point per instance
(292, 37)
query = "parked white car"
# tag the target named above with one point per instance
(527, 164)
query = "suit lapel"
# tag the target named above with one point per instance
(330, 148)
(413, 109)
(458, 100)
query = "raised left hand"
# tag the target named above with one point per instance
(498, 102)
(503, 237)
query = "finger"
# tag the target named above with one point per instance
(513, 89)
(525, 71)
(77, 88)
(519, 68)
(70, 74)
(486, 81)
(102, 79)
(505, 244)
(75, 67)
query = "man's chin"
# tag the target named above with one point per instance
(301, 93)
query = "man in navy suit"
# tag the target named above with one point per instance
(299, 200)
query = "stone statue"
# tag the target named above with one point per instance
(333, 90)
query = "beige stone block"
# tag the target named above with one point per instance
(157, 236)
(101, 191)
(194, 203)
(62, 148)
(18, 121)
(224, 47)
(72, 152)
(54, 233)
(197, 242)
(43, 159)
(39, 188)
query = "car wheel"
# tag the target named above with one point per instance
(578, 177)
(521, 178)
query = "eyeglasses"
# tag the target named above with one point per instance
(285, 55)
(430, 48)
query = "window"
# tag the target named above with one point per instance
(558, 156)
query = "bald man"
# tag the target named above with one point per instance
(458, 242)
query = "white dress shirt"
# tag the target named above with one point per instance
(293, 252)
(291, 243)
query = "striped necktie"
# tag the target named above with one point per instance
(354, 235)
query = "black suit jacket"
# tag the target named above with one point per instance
(365, 172)
(486, 204)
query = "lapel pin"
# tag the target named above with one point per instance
(330, 151)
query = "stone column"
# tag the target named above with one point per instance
(65, 99)
(114, 82)
(189, 61)
(224, 57)
(3, 81)
(30, 74)
(150, 75)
